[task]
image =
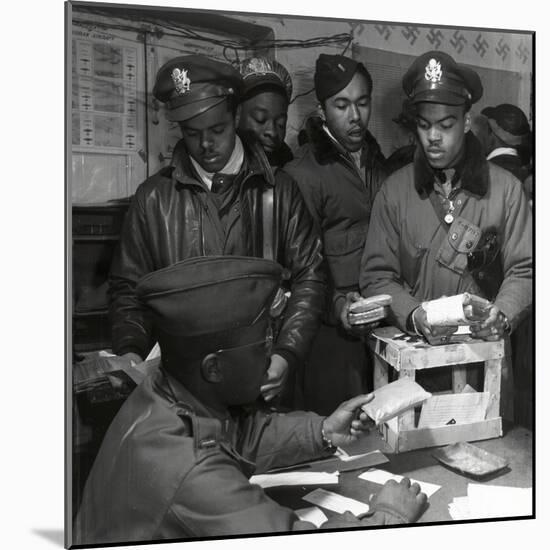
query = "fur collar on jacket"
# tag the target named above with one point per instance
(326, 152)
(473, 169)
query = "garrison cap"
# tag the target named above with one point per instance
(204, 304)
(189, 85)
(435, 77)
(261, 71)
(508, 122)
(334, 72)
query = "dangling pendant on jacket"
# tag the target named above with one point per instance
(449, 218)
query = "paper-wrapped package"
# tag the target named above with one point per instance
(461, 309)
(395, 398)
(369, 310)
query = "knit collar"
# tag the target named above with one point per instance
(472, 170)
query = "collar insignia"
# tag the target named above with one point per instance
(181, 81)
(433, 71)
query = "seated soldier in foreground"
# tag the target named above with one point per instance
(176, 461)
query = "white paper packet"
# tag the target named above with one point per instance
(395, 398)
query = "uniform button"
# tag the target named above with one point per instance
(459, 202)
(469, 244)
(481, 275)
(454, 236)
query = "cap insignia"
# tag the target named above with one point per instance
(257, 65)
(181, 81)
(433, 71)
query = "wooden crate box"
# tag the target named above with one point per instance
(406, 355)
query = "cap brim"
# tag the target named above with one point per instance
(191, 110)
(444, 97)
(506, 137)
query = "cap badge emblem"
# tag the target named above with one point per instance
(257, 65)
(433, 71)
(181, 81)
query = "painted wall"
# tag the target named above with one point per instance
(496, 50)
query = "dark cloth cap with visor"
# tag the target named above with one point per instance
(435, 77)
(508, 122)
(189, 85)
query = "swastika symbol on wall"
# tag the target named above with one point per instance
(383, 30)
(357, 28)
(480, 45)
(435, 38)
(522, 52)
(502, 49)
(458, 41)
(410, 33)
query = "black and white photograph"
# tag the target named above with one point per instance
(301, 274)
(298, 271)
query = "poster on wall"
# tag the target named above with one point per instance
(314, 310)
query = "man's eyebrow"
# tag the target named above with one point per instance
(437, 121)
(342, 98)
(192, 129)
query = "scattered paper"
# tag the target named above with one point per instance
(295, 478)
(312, 514)
(459, 508)
(336, 503)
(489, 501)
(381, 476)
(154, 353)
(348, 458)
(455, 408)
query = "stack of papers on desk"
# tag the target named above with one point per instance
(489, 501)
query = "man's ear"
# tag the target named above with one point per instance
(467, 122)
(210, 369)
(238, 112)
(321, 112)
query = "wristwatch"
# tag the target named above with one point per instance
(327, 443)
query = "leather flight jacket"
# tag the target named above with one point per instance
(173, 217)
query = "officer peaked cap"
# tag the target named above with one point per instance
(435, 77)
(204, 304)
(189, 85)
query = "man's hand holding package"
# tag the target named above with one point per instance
(433, 333)
(493, 328)
(356, 330)
(348, 421)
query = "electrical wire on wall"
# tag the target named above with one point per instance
(152, 26)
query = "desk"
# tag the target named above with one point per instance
(515, 446)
